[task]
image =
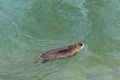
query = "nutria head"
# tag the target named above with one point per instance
(76, 47)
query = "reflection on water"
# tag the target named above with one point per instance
(29, 28)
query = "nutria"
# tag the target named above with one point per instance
(58, 53)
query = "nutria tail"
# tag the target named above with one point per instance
(23, 63)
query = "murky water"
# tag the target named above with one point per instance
(30, 27)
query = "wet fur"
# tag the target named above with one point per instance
(58, 53)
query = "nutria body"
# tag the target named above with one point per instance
(59, 53)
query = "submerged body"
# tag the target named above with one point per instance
(59, 53)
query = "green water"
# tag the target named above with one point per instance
(30, 27)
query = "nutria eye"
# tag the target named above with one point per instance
(80, 44)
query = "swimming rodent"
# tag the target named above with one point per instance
(58, 53)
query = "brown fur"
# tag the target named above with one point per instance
(59, 53)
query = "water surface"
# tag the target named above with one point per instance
(29, 28)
